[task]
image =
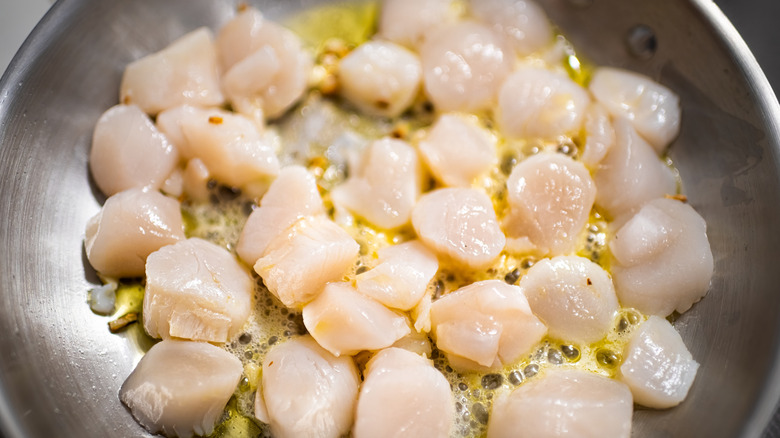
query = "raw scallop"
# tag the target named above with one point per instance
(564, 403)
(409, 22)
(238, 42)
(131, 225)
(195, 290)
(536, 102)
(461, 225)
(228, 144)
(573, 296)
(523, 21)
(344, 321)
(662, 258)
(180, 388)
(550, 197)
(401, 278)
(380, 78)
(464, 64)
(652, 109)
(403, 395)
(299, 262)
(292, 196)
(457, 150)
(631, 174)
(485, 325)
(385, 186)
(185, 72)
(657, 367)
(128, 151)
(306, 391)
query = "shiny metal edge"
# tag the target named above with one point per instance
(52, 23)
(767, 406)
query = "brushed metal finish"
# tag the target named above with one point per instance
(60, 368)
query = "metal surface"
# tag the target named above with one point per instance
(60, 369)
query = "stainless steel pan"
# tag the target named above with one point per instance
(60, 369)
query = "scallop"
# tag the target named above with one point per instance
(299, 262)
(403, 395)
(401, 277)
(128, 151)
(536, 102)
(344, 321)
(600, 135)
(652, 109)
(247, 80)
(131, 225)
(662, 261)
(523, 21)
(573, 296)
(180, 388)
(195, 290)
(308, 392)
(457, 150)
(246, 71)
(195, 179)
(385, 186)
(464, 64)
(563, 403)
(657, 367)
(228, 144)
(459, 225)
(630, 174)
(292, 196)
(550, 197)
(185, 72)
(380, 78)
(485, 325)
(409, 22)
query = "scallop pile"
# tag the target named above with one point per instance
(448, 228)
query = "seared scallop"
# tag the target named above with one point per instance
(180, 388)
(523, 21)
(299, 262)
(385, 186)
(457, 150)
(409, 22)
(128, 151)
(401, 277)
(306, 391)
(550, 197)
(600, 135)
(131, 225)
(344, 321)
(292, 196)
(403, 395)
(464, 64)
(380, 78)
(563, 403)
(272, 83)
(195, 290)
(459, 225)
(652, 109)
(573, 296)
(630, 174)
(228, 144)
(662, 258)
(185, 72)
(485, 325)
(536, 102)
(657, 367)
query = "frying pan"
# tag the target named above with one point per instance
(60, 368)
